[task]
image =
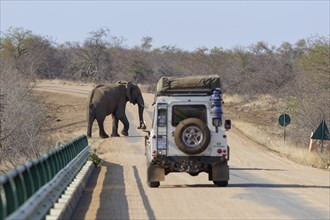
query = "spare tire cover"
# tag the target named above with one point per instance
(192, 136)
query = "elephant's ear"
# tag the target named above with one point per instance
(128, 91)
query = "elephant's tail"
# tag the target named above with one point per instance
(91, 112)
(90, 107)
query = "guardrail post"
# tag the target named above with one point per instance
(3, 200)
(36, 175)
(10, 194)
(57, 160)
(42, 170)
(29, 182)
(20, 185)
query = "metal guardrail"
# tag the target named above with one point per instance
(29, 190)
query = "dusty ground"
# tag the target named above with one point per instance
(65, 115)
(263, 185)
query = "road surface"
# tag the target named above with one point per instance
(262, 184)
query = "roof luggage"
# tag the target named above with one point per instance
(188, 84)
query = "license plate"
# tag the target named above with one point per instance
(161, 143)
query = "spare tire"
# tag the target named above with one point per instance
(192, 136)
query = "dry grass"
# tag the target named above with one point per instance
(147, 88)
(265, 103)
(272, 140)
(144, 87)
(66, 82)
(256, 117)
(232, 98)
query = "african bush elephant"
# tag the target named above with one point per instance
(111, 99)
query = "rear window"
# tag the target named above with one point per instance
(181, 112)
(161, 120)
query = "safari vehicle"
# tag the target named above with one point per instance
(188, 130)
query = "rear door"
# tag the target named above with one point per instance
(178, 112)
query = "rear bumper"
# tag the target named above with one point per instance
(189, 164)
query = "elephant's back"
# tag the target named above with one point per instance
(106, 97)
(107, 92)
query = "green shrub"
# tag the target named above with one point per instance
(95, 159)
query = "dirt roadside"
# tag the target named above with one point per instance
(66, 115)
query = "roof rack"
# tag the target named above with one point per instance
(190, 85)
(184, 93)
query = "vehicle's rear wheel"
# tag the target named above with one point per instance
(153, 184)
(192, 136)
(221, 183)
(193, 174)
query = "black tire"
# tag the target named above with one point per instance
(193, 174)
(153, 184)
(192, 136)
(221, 183)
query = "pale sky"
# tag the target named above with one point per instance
(185, 24)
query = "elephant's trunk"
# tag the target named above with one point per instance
(140, 102)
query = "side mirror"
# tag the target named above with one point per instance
(227, 124)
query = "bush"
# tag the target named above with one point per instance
(21, 119)
(95, 159)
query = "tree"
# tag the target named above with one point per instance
(140, 71)
(93, 58)
(261, 47)
(15, 42)
(21, 118)
(146, 43)
(311, 87)
(316, 61)
(31, 54)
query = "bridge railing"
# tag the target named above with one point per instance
(31, 189)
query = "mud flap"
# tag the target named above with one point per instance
(219, 173)
(155, 174)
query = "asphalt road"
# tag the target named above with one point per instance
(262, 184)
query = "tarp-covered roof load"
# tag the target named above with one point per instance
(188, 84)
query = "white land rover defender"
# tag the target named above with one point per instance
(188, 130)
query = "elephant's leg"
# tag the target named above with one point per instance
(89, 126)
(114, 126)
(101, 128)
(125, 122)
